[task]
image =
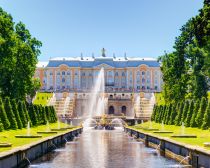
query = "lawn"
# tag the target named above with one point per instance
(9, 136)
(42, 98)
(202, 135)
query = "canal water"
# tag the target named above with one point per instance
(104, 149)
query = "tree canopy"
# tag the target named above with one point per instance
(18, 58)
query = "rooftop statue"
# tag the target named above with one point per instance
(103, 52)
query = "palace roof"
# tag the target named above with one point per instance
(90, 62)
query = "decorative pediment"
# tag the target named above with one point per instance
(105, 66)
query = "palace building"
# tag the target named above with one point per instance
(127, 80)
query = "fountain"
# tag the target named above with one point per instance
(28, 134)
(163, 131)
(4, 144)
(48, 130)
(150, 128)
(182, 133)
(59, 128)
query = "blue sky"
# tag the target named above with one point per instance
(141, 28)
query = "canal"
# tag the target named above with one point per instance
(104, 149)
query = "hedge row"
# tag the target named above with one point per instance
(192, 114)
(16, 114)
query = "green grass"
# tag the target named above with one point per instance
(159, 99)
(42, 98)
(9, 136)
(202, 135)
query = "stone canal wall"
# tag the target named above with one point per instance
(190, 155)
(21, 157)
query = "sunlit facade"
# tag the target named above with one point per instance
(79, 74)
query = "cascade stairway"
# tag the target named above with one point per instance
(64, 107)
(143, 108)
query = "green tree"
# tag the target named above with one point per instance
(16, 113)
(179, 115)
(185, 111)
(3, 116)
(201, 111)
(206, 120)
(19, 52)
(189, 114)
(10, 114)
(168, 114)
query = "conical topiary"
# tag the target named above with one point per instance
(22, 114)
(26, 112)
(153, 113)
(32, 115)
(189, 114)
(173, 115)
(201, 111)
(206, 120)
(179, 115)
(16, 113)
(194, 115)
(184, 113)
(10, 114)
(3, 116)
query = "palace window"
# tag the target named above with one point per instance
(58, 73)
(116, 73)
(63, 80)
(83, 74)
(51, 73)
(63, 73)
(143, 80)
(68, 73)
(143, 73)
(123, 73)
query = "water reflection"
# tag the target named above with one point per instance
(103, 149)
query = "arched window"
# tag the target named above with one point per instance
(63, 73)
(143, 73)
(111, 110)
(123, 110)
